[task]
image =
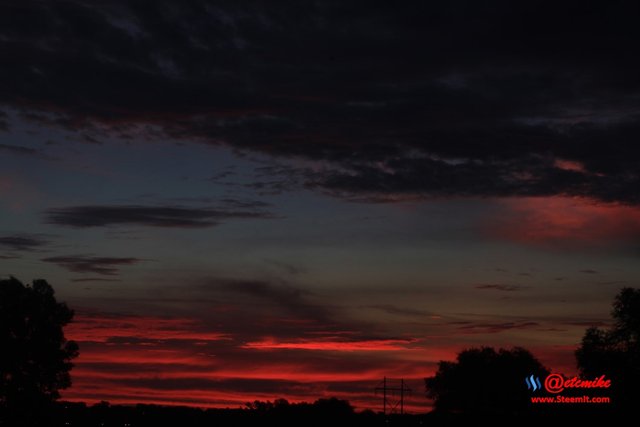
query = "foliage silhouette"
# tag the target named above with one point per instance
(322, 412)
(36, 358)
(484, 381)
(616, 352)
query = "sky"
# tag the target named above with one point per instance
(257, 200)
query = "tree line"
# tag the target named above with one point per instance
(36, 360)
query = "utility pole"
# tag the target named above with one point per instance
(384, 396)
(402, 396)
(389, 391)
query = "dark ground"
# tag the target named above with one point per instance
(331, 414)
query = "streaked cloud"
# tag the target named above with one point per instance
(107, 266)
(332, 344)
(499, 287)
(152, 216)
(24, 242)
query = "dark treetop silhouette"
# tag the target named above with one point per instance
(484, 381)
(616, 352)
(36, 358)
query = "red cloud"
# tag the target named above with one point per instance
(569, 165)
(179, 361)
(564, 222)
(331, 344)
(147, 359)
(145, 328)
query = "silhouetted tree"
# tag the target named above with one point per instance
(484, 381)
(35, 357)
(333, 408)
(616, 352)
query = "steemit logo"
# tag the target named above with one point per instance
(533, 383)
(556, 383)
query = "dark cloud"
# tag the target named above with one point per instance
(294, 300)
(24, 242)
(15, 149)
(276, 178)
(588, 323)
(94, 279)
(287, 312)
(107, 266)
(589, 271)
(283, 293)
(153, 216)
(613, 282)
(552, 329)
(285, 267)
(387, 101)
(228, 202)
(499, 287)
(240, 385)
(401, 311)
(245, 204)
(493, 328)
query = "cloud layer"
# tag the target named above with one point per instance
(529, 110)
(420, 100)
(108, 266)
(218, 354)
(228, 341)
(153, 216)
(23, 242)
